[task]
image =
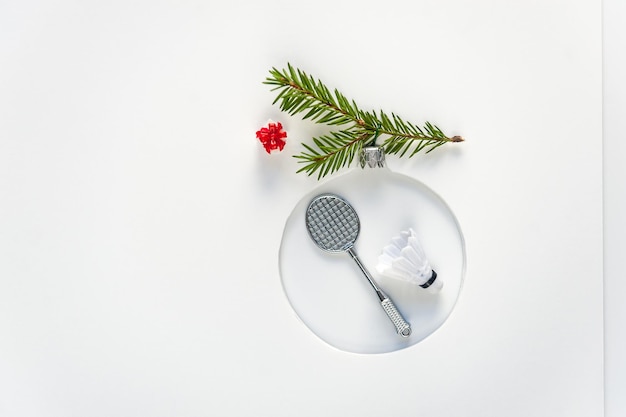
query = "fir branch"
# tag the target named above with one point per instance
(334, 151)
(299, 92)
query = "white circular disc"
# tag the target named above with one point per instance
(331, 295)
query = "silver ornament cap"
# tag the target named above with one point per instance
(372, 156)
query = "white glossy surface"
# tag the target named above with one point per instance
(140, 219)
(331, 295)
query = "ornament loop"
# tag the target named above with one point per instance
(372, 156)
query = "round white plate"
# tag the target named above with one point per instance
(329, 292)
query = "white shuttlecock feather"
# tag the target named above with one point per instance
(404, 259)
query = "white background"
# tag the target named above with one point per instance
(614, 206)
(140, 219)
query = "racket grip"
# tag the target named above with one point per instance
(402, 327)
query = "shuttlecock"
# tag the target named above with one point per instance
(404, 259)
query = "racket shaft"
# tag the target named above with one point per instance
(402, 327)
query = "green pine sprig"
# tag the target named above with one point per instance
(299, 92)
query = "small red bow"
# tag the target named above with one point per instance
(271, 136)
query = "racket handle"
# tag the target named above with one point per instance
(402, 327)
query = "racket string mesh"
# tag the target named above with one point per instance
(333, 224)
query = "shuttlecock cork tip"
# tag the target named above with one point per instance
(433, 284)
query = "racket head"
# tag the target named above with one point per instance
(332, 223)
